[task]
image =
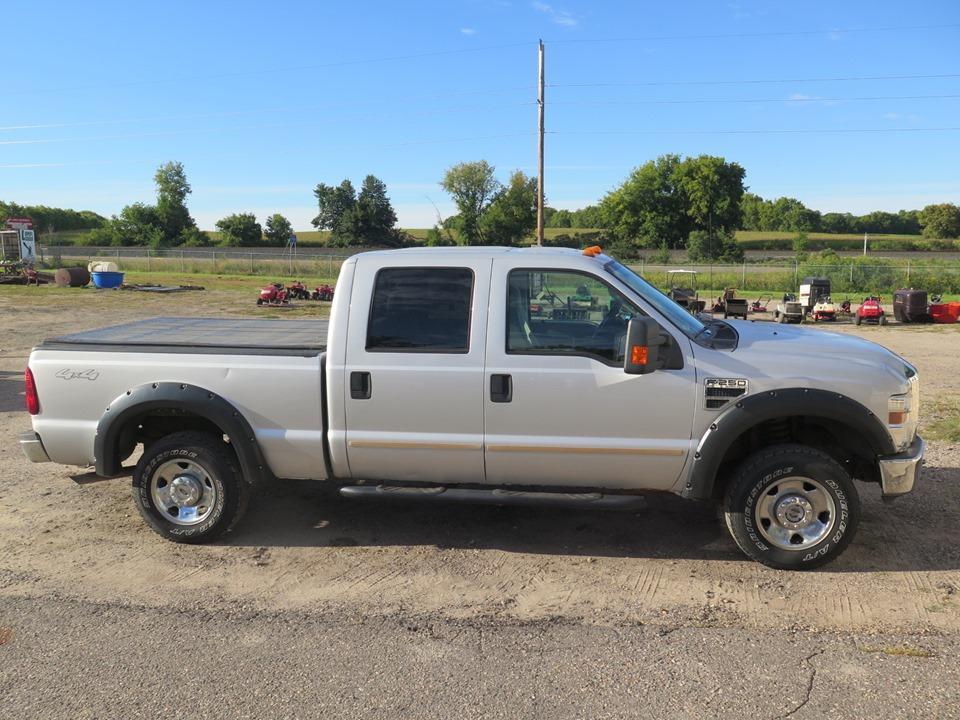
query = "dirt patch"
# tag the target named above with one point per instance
(303, 547)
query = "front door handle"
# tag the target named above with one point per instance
(360, 385)
(501, 388)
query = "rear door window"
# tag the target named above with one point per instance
(423, 309)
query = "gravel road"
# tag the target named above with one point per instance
(316, 606)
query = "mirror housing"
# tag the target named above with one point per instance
(644, 340)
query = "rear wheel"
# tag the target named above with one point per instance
(792, 507)
(189, 488)
(857, 319)
(883, 320)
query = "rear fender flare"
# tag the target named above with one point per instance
(191, 399)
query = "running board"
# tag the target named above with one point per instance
(493, 496)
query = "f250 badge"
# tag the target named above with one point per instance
(717, 392)
(70, 374)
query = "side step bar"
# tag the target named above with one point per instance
(493, 496)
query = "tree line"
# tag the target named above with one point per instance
(671, 202)
(790, 215)
(168, 223)
(50, 219)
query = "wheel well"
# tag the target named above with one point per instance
(843, 443)
(160, 422)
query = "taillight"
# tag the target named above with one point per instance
(33, 400)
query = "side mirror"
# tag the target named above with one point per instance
(643, 346)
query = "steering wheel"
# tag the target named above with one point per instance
(612, 322)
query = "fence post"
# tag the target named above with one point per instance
(908, 272)
(148, 259)
(214, 260)
(118, 256)
(796, 274)
(181, 259)
(851, 277)
(330, 271)
(743, 277)
(251, 263)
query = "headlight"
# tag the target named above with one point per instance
(898, 409)
(903, 414)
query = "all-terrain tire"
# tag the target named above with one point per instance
(229, 491)
(857, 319)
(761, 474)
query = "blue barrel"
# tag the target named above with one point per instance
(107, 279)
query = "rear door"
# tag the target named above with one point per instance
(573, 417)
(413, 379)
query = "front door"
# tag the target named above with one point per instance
(414, 372)
(573, 417)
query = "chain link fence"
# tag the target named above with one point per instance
(846, 275)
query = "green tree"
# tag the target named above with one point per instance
(941, 221)
(337, 207)
(511, 215)
(718, 244)
(375, 215)
(172, 191)
(240, 229)
(712, 189)
(649, 206)
(278, 230)
(472, 186)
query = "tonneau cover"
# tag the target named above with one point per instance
(203, 335)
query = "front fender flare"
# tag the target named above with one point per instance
(752, 410)
(143, 399)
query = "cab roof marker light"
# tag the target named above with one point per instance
(593, 251)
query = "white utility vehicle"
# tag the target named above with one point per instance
(488, 375)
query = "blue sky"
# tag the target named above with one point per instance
(261, 101)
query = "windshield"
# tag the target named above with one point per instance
(687, 323)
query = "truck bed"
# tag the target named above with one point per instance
(244, 336)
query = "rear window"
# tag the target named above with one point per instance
(421, 310)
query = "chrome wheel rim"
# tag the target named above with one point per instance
(183, 492)
(795, 513)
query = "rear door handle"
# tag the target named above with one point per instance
(501, 388)
(361, 385)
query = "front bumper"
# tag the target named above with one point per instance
(32, 447)
(899, 472)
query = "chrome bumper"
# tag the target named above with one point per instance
(33, 448)
(899, 472)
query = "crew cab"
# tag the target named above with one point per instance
(488, 375)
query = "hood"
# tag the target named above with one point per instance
(798, 347)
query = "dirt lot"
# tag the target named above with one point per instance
(304, 550)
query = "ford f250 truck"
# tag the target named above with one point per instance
(494, 375)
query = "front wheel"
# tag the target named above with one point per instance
(857, 319)
(189, 488)
(792, 507)
(883, 320)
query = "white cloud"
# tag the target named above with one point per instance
(468, 31)
(560, 17)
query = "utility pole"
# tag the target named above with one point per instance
(540, 153)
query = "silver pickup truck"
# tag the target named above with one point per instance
(488, 375)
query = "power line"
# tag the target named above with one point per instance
(770, 34)
(694, 101)
(756, 81)
(261, 126)
(823, 131)
(311, 66)
(299, 108)
(219, 156)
